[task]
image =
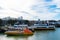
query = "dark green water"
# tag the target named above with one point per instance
(38, 35)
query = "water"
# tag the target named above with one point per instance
(38, 35)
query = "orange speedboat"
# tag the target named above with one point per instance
(25, 31)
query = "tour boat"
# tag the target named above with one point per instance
(42, 27)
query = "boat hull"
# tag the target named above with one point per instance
(15, 33)
(44, 29)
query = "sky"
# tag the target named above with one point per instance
(30, 9)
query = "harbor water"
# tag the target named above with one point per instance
(38, 35)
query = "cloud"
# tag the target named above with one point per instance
(30, 9)
(48, 0)
(1, 8)
(21, 5)
(46, 10)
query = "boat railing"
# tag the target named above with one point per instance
(50, 26)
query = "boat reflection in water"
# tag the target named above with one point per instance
(18, 37)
